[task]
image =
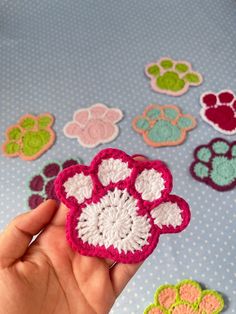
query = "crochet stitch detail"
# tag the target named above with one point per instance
(113, 170)
(149, 184)
(113, 221)
(79, 186)
(167, 214)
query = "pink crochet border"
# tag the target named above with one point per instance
(208, 180)
(144, 206)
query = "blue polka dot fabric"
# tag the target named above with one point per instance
(59, 56)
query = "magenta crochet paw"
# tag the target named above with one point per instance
(118, 206)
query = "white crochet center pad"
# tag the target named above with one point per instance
(59, 56)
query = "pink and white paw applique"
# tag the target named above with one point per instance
(94, 125)
(119, 206)
(219, 110)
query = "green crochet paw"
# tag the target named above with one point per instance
(30, 137)
(215, 164)
(163, 125)
(172, 77)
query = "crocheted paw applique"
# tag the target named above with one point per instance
(215, 164)
(30, 137)
(163, 125)
(94, 125)
(219, 110)
(185, 298)
(41, 185)
(119, 206)
(172, 77)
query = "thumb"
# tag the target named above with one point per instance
(15, 239)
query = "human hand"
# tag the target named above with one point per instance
(46, 276)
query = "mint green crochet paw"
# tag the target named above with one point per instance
(163, 125)
(215, 164)
(172, 77)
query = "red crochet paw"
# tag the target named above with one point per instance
(219, 110)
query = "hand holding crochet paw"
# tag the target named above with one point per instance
(46, 276)
(119, 206)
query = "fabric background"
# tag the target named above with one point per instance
(58, 56)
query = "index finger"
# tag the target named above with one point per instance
(15, 239)
(59, 218)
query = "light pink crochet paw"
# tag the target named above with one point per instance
(94, 125)
(119, 206)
